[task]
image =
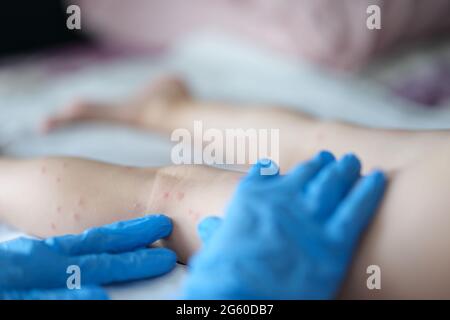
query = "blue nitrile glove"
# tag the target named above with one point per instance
(38, 269)
(286, 237)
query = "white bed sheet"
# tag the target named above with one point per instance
(225, 69)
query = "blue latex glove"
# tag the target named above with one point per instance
(36, 269)
(286, 237)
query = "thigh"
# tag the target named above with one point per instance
(410, 236)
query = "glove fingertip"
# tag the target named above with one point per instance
(325, 156)
(164, 223)
(264, 167)
(351, 161)
(255, 170)
(379, 177)
(207, 227)
(360, 207)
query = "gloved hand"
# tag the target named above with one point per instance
(286, 237)
(37, 269)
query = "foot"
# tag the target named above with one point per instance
(148, 110)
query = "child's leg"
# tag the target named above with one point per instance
(53, 196)
(408, 238)
(168, 106)
(149, 109)
(63, 195)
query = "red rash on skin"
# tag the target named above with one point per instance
(166, 195)
(194, 215)
(76, 216)
(53, 226)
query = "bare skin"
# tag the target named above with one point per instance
(55, 196)
(408, 238)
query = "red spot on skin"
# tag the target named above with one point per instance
(166, 195)
(195, 215)
(76, 216)
(80, 202)
(59, 209)
(58, 180)
(180, 196)
(53, 226)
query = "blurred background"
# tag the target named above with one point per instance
(315, 56)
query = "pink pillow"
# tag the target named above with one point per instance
(329, 32)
